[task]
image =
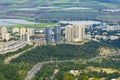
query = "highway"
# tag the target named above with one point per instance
(11, 47)
(38, 66)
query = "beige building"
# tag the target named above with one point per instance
(15, 30)
(79, 33)
(30, 31)
(5, 36)
(69, 33)
(22, 30)
(4, 30)
(25, 37)
(74, 33)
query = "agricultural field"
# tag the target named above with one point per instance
(59, 9)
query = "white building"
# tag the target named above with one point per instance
(25, 37)
(22, 31)
(5, 36)
(30, 31)
(79, 33)
(113, 28)
(74, 33)
(69, 33)
(15, 30)
(4, 30)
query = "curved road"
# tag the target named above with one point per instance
(9, 59)
(38, 66)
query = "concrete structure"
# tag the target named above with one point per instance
(22, 31)
(15, 30)
(4, 30)
(30, 31)
(25, 37)
(74, 33)
(48, 35)
(57, 33)
(113, 28)
(69, 34)
(79, 33)
(5, 36)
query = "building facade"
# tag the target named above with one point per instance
(48, 35)
(69, 33)
(22, 31)
(25, 37)
(74, 33)
(57, 33)
(30, 31)
(15, 30)
(5, 36)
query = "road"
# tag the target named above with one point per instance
(11, 47)
(9, 59)
(38, 66)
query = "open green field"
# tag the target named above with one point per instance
(32, 25)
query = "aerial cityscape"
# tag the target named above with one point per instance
(59, 39)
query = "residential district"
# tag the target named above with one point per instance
(13, 39)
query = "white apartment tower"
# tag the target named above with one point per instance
(74, 33)
(4, 30)
(25, 37)
(69, 33)
(5, 36)
(79, 33)
(15, 30)
(22, 31)
(4, 33)
(30, 31)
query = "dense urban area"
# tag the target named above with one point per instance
(60, 40)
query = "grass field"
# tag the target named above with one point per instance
(33, 25)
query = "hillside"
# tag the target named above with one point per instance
(63, 52)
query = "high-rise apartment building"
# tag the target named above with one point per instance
(69, 33)
(22, 30)
(4, 30)
(57, 33)
(30, 31)
(25, 37)
(79, 33)
(74, 33)
(15, 30)
(5, 36)
(48, 35)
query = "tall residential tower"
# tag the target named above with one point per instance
(57, 33)
(74, 33)
(48, 35)
(69, 33)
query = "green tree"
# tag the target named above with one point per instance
(85, 78)
(68, 76)
(2, 77)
